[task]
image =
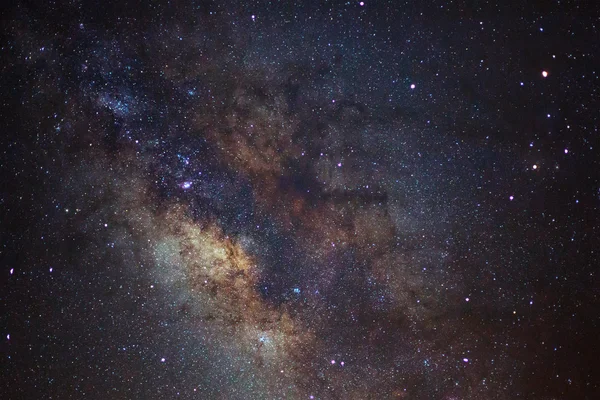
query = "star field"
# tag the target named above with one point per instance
(300, 200)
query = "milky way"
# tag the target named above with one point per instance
(346, 200)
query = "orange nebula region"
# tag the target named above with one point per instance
(222, 280)
(212, 276)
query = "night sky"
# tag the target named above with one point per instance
(300, 200)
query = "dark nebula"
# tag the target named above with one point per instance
(300, 200)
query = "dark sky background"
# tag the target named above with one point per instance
(300, 200)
